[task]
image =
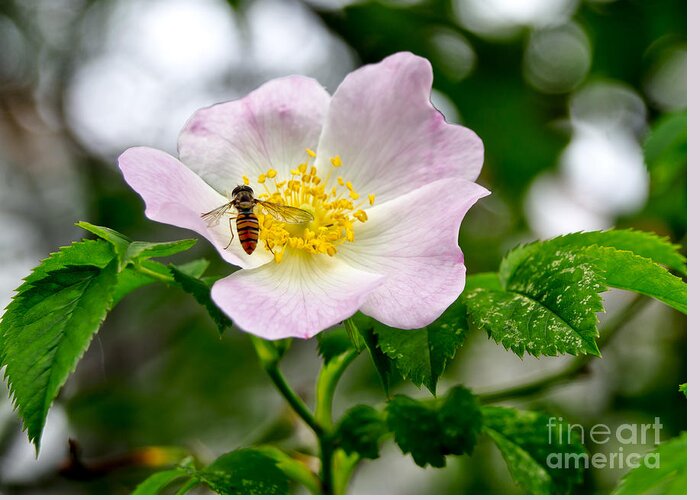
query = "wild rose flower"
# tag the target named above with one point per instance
(387, 180)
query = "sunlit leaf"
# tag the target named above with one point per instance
(48, 326)
(549, 306)
(658, 249)
(547, 295)
(119, 241)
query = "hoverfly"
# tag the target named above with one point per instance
(247, 225)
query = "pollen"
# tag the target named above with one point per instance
(335, 209)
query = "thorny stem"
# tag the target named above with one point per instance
(576, 367)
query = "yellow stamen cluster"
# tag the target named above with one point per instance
(335, 210)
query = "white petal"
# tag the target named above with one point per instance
(175, 195)
(299, 297)
(388, 134)
(269, 128)
(412, 240)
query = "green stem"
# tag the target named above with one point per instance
(345, 467)
(165, 278)
(325, 444)
(269, 356)
(327, 450)
(576, 367)
(327, 382)
(292, 398)
(328, 379)
(322, 422)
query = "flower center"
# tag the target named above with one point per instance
(335, 208)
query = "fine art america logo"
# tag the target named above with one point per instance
(561, 433)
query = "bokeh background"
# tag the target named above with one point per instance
(563, 93)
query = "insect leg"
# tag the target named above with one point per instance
(230, 219)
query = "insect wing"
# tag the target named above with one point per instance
(286, 213)
(212, 217)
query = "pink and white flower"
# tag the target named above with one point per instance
(387, 179)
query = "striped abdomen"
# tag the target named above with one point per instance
(248, 230)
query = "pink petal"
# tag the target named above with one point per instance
(269, 128)
(412, 240)
(388, 134)
(298, 297)
(175, 195)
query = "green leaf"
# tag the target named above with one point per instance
(354, 334)
(460, 421)
(360, 431)
(684, 389)
(422, 355)
(144, 249)
(535, 447)
(129, 251)
(381, 361)
(132, 278)
(118, 240)
(129, 280)
(195, 268)
(625, 259)
(658, 249)
(416, 430)
(663, 471)
(202, 294)
(627, 271)
(48, 326)
(432, 429)
(96, 253)
(548, 292)
(293, 469)
(548, 307)
(333, 343)
(155, 483)
(245, 472)
(490, 281)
